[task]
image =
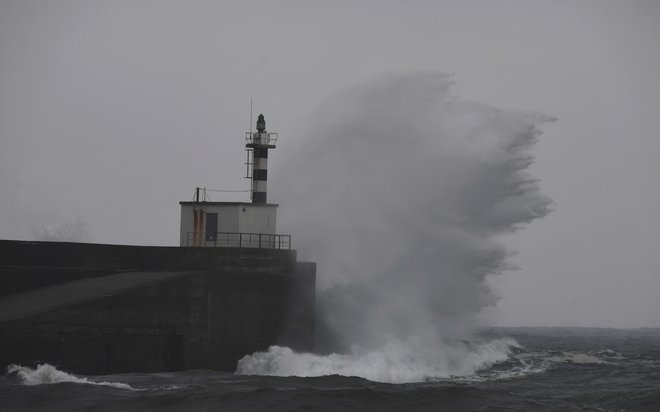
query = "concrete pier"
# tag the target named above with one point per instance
(98, 309)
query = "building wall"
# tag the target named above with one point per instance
(232, 218)
(258, 219)
(228, 218)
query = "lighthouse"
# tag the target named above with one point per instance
(257, 146)
(237, 224)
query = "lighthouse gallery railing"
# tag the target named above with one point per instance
(236, 239)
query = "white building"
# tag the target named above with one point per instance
(237, 224)
(230, 224)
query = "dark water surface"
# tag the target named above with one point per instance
(555, 369)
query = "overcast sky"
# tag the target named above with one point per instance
(111, 112)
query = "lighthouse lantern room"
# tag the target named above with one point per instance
(237, 224)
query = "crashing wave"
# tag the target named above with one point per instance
(45, 374)
(396, 362)
(405, 193)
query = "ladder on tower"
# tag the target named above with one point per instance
(249, 162)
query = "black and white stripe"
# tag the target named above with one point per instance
(259, 143)
(259, 174)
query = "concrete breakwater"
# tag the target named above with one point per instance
(98, 309)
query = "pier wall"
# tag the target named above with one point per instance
(230, 302)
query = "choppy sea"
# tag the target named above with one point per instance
(548, 369)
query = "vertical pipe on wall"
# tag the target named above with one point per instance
(194, 231)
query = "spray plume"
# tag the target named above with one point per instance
(399, 192)
(71, 230)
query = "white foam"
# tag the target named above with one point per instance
(397, 362)
(45, 374)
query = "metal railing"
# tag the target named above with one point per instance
(236, 239)
(266, 138)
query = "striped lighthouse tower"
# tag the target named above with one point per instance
(258, 144)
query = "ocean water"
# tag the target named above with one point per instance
(541, 369)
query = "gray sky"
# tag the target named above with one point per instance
(113, 111)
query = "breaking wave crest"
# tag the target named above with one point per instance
(45, 374)
(396, 362)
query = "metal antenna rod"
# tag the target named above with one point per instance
(248, 153)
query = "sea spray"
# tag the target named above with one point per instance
(399, 190)
(71, 230)
(45, 374)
